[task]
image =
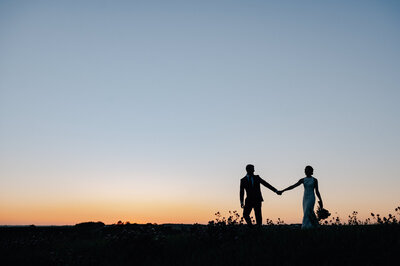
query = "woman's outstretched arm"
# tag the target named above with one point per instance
(317, 192)
(293, 186)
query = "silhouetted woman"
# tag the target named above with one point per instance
(310, 184)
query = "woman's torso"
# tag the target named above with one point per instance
(309, 186)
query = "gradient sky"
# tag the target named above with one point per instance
(148, 111)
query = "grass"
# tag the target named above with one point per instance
(221, 242)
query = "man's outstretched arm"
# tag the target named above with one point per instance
(265, 183)
(241, 194)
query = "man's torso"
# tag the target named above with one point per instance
(252, 188)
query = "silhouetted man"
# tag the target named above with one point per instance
(251, 183)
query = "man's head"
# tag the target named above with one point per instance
(250, 169)
(309, 171)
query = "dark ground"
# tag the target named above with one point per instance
(95, 244)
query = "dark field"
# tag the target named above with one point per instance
(95, 244)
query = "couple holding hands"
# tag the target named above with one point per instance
(251, 184)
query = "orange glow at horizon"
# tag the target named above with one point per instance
(181, 199)
(157, 212)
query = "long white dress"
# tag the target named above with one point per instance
(309, 218)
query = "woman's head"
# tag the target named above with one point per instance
(309, 171)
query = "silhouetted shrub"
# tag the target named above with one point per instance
(90, 225)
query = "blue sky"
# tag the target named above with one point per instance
(151, 102)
